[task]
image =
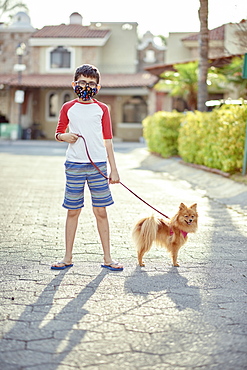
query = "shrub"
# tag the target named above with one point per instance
(161, 132)
(191, 142)
(215, 139)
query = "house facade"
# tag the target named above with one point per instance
(225, 42)
(41, 63)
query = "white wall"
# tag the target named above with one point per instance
(176, 51)
(119, 54)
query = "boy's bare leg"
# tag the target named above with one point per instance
(104, 233)
(70, 230)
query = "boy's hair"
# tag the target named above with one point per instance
(87, 70)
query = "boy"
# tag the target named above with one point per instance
(90, 118)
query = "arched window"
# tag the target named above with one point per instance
(150, 56)
(53, 105)
(67, 97)
(60, 58)
(127, 27)
(134, 110)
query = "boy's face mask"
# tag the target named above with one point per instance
(84, 91)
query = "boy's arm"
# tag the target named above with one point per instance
(114, 176)
(62, 125)
(68, 137)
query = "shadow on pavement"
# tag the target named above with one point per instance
(47, 330)
(171, 283)
(227, 244)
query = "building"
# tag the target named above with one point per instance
(225, 42)
(46, 63)
(149, 52)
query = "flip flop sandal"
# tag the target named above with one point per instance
(61, 267)
(110, 267)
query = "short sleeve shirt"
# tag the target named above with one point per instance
(92, 121)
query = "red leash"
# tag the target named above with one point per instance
(126, 187)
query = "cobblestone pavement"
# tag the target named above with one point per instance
(157, 317)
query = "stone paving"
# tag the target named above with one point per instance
(157, 317)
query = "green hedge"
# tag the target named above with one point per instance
(215, 139)
(161, 132)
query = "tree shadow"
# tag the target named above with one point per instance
(51, 333)
(172, 284)
(226, 254)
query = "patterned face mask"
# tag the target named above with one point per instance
(85, 93)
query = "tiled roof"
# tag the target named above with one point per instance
(69, 30)
(64, 81)
(158, 69)
(215, 34)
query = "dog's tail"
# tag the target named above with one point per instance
(144, 233)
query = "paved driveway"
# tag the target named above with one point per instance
(157, 317)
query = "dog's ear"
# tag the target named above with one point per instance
(194, 206)
(182, 206)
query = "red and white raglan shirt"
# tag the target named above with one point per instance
(92, 121)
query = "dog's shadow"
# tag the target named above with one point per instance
(171, 283)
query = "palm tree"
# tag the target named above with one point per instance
(232, 73)
(203, 56)
(181, 83)
(10, 6)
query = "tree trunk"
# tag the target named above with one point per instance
(202, 96)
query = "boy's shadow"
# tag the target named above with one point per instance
(171, 283)
(42, 327)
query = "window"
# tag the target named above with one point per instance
(134, 110)
(60, 58)
(53, 105)
(127, 27)
(150, 56)
(54, 102)
(66, 97)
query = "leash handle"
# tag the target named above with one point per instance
(126, 187)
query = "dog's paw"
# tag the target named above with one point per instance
(142, 264)
(176, 264)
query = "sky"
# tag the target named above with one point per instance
(158, 16)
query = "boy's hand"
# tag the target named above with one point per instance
(114, 177)
(69, 137)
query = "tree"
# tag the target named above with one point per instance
(182, 82)
(163, 39)
(232, 74)
(7, 7)
(202, 96)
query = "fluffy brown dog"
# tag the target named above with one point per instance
(170, 234)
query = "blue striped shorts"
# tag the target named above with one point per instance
(77, 174)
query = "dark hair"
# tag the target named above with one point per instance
(87, 70)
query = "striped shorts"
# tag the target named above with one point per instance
(77, 174)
